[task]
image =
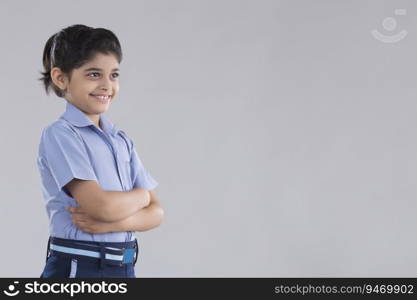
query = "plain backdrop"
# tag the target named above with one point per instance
(282, 133)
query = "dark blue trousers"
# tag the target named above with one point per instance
(62, 266)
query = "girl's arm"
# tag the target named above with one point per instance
(107, 206)
(144, 219)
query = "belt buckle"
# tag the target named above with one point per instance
(128, 256)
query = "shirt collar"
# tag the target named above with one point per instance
(77, 118)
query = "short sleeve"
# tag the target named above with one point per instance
(66, 155)
(141, 177)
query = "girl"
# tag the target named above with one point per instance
(97, 191)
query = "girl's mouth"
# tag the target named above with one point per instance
(102, 99)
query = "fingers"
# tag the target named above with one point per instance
(78, 218)
(72, 209)
(82, 224)
(75, 210)
(82, 220)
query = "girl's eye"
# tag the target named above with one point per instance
(117, 74)
(92, 73)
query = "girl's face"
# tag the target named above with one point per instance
(97, 77)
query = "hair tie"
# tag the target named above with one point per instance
(52, 54)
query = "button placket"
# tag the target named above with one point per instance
(115, 156)
(109, 142)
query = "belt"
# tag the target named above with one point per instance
(93, 251)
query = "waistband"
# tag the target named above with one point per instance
(128, 244)
(113, 253)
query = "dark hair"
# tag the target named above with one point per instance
(74, 46)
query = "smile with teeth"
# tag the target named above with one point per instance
(102, 98)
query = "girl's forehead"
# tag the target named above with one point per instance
(100, 60)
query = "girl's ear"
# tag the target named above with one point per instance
(59, 78)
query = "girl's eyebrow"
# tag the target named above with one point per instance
(97, 69)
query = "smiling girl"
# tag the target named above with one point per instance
(97, 192)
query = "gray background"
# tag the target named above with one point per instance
(282, 133)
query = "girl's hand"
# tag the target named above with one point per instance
(86, 223)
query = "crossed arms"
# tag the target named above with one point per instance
(102, 211)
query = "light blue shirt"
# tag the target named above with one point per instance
(74, 147)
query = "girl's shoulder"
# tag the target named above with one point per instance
(60, 128)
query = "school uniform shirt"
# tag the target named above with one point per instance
(74, 147)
